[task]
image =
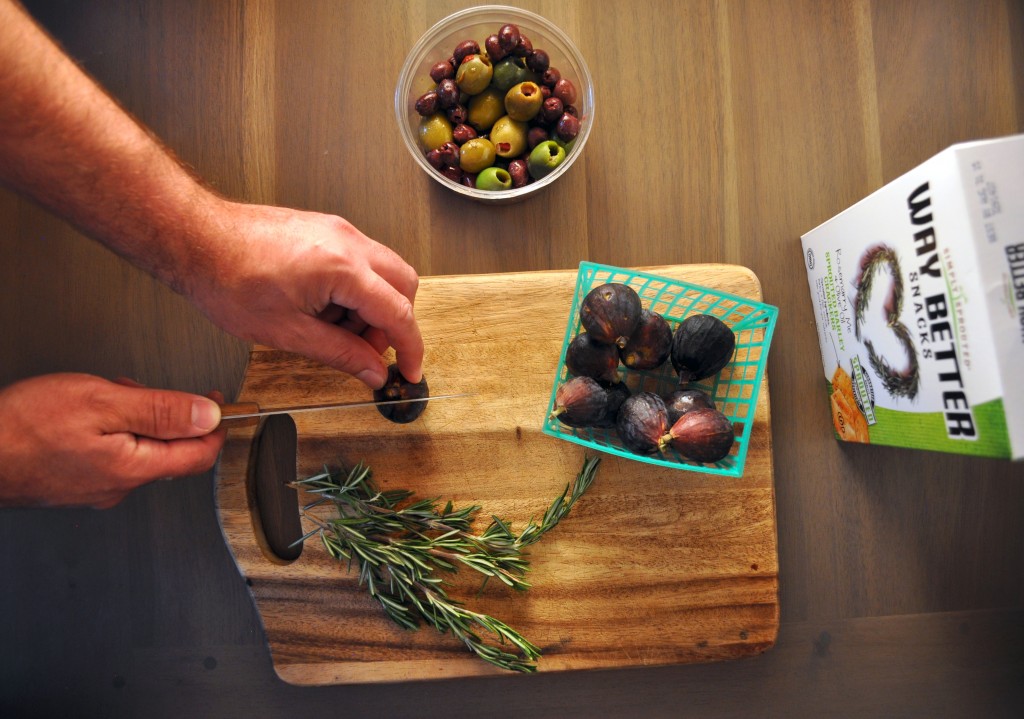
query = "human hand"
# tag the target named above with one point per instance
(78, 440)
(307, 283)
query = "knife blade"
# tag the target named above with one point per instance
(250, 410)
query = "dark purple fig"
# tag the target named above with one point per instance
(684, 400)
(398, 387)
(617, 394)
(611, 312)
(586, 358)
(642, 422)
(701, 346)
(580, 402)
(649, 345)
(702, 435)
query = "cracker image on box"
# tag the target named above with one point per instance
(918, 296)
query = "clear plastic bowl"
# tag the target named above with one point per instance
(477, 23)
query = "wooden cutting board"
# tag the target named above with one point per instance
(653, 565)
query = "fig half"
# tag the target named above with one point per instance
(611, 312)
(701, 346)
(702, 435)
(398, 387)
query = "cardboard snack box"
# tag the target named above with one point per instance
(918, 294)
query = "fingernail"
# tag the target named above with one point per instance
(205, 415)
(372, 378)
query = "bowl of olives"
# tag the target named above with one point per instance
(660, 371)
(495, 103)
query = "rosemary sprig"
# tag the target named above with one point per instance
(402, 544)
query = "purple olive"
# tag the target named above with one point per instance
(464, 49)
(518, 171)
(524, 48)
(442, 71)
(568, 127)
(457, 114)
(551, 77)
(463, 133)
(427, 103)
(449, 154)
(565, 91)
(494, 49)
(435, 160)
(551, 110)
(447, 93)
(508, 37)
(538, 61)
(535, 136)
(453, 173)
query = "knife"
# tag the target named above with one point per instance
(249, 410)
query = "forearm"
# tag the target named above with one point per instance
(65, 144)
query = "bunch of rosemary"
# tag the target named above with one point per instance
(402, 545)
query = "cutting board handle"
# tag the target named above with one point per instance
(275, 503)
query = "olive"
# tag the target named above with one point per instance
(538, 61)
(485, 108)
(535, 136)
(457, 114)
(434, 131)
(565, 91)
(442, 71)
(476, 154)
(524, 48)
(434, 158)
(463, 50)
(544, 158)
(427, 104)
(494, 178)
(474, 74)
(447, 92)
(518, 172)
(462, 134)
(454, 174)
(510, 71)
(398, 387)
(508, 37)
(449, 153)
(523, 101)
(568, 127)
(509, 137)
(494, 49)
(551, 109)
(468, 179)
(550, 77)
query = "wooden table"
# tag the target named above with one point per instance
(724, 131)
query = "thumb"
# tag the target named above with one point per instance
(167, 414)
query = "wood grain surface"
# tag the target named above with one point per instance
(655, 566)
(725, 129)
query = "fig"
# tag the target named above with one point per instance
(580, 402)
(642, 422)
(683, 400)
(701, 346)
(586, 358)
(702, 435)
(611, 312)
(398, 387)
(649, 345)
(617, 394)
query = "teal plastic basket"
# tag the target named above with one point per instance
(734, 390)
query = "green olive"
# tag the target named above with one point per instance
(510, 71)
(476, 155)
(434, 131)
(485, 108)
(474, 74)
(544, 158)
(523, 101)
(509, 137)
(494, 178)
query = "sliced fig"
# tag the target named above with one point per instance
(683, 400)
(701, 346)
(702, 435)
(649, 345)
(587, 358)
(642, 422)
(580, 402)
(611, 312)
(398, 387)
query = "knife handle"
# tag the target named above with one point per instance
(229, 410)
